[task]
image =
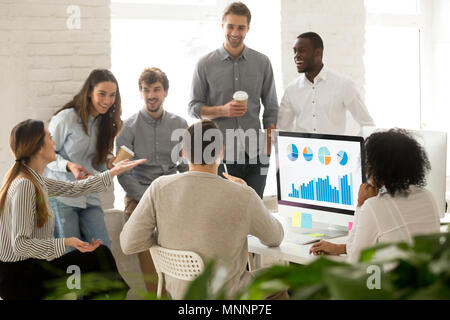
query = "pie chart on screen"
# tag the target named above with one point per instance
(342, 158)
(307, 153)
(324, 156)
(292, 152)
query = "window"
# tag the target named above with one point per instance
(394, 63)
(174, 46)
(173, 35)
(170, 2)
(406, 64)
(393, 76)
(392, 7)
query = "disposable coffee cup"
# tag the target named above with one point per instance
(123, 154)
(241, 96)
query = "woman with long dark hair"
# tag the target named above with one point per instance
(84, 131)
(393, 206)
(30, 255)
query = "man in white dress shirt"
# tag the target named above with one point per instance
(317, 101)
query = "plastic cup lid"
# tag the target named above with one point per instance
(240, 95)
(127, 150)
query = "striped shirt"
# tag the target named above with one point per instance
(20, 238)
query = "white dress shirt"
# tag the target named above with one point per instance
(320, 107)
(392, 219)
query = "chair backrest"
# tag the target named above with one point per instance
(184, 265)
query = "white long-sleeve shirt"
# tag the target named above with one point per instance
(392, 219)
(321, 107)
(204, 213)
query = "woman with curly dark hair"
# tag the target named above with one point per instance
(393, 206)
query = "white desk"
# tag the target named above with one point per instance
(446, 219)
(286, 252)
(291, 252)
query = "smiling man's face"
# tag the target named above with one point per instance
(305, 56)
(235, 29)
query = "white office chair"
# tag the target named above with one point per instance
(183, 265)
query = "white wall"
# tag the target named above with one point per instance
(43, 63)
(340, 23)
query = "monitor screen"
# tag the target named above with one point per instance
(318, 171)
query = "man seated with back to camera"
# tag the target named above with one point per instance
(192, 211)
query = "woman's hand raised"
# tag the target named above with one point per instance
(125, 165)
(366, 191)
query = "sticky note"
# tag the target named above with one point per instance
(350, 226)
(296, 219)
(315, 235)
(306, 220)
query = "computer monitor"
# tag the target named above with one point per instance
(318, 179)
(435, 145)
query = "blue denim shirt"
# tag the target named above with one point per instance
(72, 144)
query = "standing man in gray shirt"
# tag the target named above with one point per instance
(235, 67)
(148, 134)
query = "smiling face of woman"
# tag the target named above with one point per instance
(102, 97)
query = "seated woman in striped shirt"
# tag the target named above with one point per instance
(30, 256)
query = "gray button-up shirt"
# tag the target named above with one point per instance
(150, 139)
(218, 75)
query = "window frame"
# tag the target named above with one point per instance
(421, 21)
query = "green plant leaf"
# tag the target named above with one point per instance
(351, 283)
(417, 271)
(436, 291)
(94, 286)
(368, 254)
(199, 288)
(312, 292)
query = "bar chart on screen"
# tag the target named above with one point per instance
(319, 189)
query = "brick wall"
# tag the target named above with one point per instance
(44, 57)
(43, 63)
(340, 23)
